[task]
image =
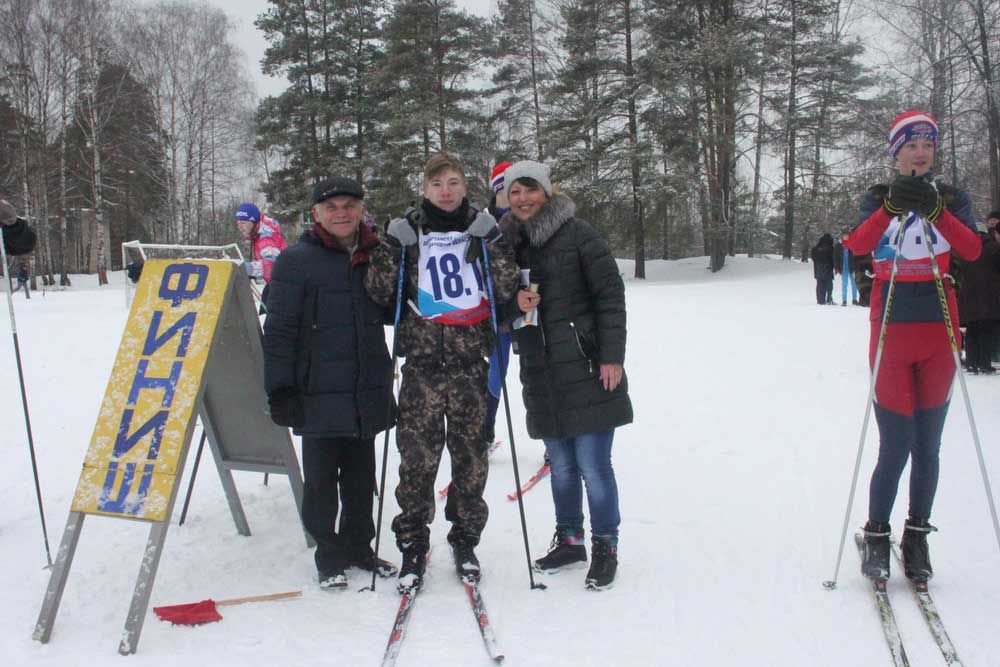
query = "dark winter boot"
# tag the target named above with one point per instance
(875, 564)
(411, 574)
(916, 557)
(603, 562)
(333, 579)
(566, 550)
(466, 563)
(366, 560)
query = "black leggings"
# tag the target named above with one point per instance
(902, 437)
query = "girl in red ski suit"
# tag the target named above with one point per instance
(917, 366)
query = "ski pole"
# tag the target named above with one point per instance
(844, 276)
(388, 410)
(263, 311)
(832, 583)
(949, 325)
(24, 396)
(506, 404)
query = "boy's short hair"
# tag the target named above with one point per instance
(443, 162)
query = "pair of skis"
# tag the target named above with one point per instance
(927, 608)
(475, 597)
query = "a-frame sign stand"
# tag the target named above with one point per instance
(191, 348)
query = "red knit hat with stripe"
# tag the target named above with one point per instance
(911, 125)
(496, 176)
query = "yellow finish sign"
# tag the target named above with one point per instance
(142, 431)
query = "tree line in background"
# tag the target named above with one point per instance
(121, 122)
(679, 127)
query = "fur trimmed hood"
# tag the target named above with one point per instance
(553, 215)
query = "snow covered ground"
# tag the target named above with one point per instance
(734, 477)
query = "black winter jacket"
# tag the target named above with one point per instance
(582, 316)
(823, 258)
(19, 238)
(979, 293)
(324, 336)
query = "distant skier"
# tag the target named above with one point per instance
(23, 276)
(266, 243)
(823, 264)
(917, 366)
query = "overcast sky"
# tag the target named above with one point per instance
(243, 13)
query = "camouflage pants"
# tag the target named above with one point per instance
(441, 405)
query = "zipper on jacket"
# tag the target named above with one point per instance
(579, 346)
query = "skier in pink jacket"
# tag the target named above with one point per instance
(266, 240)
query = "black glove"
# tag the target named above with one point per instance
(914, 193)
(285, 406)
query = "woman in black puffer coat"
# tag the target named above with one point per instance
(575, 390)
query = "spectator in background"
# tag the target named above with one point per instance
(979, 304)
(991, 221)
(498, 366)
(823, 263)
(18, 237)
(23, 276)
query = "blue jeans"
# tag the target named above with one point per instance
(585, 458)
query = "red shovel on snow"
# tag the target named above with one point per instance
(196, 613)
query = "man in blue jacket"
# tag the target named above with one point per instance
(328, 376)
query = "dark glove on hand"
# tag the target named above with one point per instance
(914, 193)
(400, 233)
(285, 406)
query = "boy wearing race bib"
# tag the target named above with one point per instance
(445, 333)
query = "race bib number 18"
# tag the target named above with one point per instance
(451, 290)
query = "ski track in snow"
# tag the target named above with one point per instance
(748, 399)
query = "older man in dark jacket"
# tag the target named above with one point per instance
(328, 375)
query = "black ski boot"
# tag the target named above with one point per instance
(916, 557)
(466, 563)
(876, 554)
(566, 550)
(603, 562)
(411, 574)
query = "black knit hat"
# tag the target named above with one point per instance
(338, 185)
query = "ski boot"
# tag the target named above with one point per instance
(566, 550)
(916, 556)
(466, 562)
(603, 562)
(411, 574)
(875, 564)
